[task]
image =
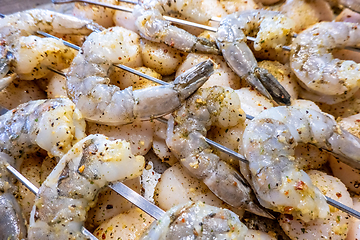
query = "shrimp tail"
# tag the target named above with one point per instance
(186, 84)
(277, 92)
(226, 181)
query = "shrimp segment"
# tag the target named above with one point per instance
(196, 221)
(314, 65)
(269, 144)
(16, 48)
(71, 188)
(88, 82)
(185, 132)
(274, 31)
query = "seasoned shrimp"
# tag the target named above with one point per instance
(335, 226)
(186, 128)
(88, 82)
(152, 26)
(196, 221)
(272, 30)
(53, 125)
(29, 55)
(317, 70)
(269, 144)
(71, 188)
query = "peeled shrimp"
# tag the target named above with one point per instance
(196, 220)
(71, 188)
(269, 142)
(314, 65)
(28, 55)
(335, 226)
(272, 30)
(186, 128)
(53, 125)
(88, 82)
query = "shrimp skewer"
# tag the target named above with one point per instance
(153, 26)
(68, 192)
(269, 142)
(88, 83)
(185, 132)
(27, 55)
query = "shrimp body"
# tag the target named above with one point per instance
(88, 82)
(185, 138)
(152, 26)
(272, 30)
(71, 188)
(269, 144)
(316, 68)
(196, 221)
(53, 125)
(15, 48)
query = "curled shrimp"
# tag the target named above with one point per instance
(272, 30)
(196, 221)
(269, 143)
(88, 82)
(318, 71)
(53, 125)
(152, 26)
(185, 138)
(71, 188)
(28, 56)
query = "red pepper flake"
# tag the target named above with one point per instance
(119, 58)
(339, 195)
(288, 210)
(300, 185)
(183, 220)
(103, 236)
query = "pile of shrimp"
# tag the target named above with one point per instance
(73, 135)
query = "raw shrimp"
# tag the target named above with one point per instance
(269, 143)
(152, 26)
(88, 82)
(272, 30)
(196, 221)
(71, 188)
(28, 55)
(53, 125)
(314, 65)
(335, 226)
(12, 223)
(185, 137)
